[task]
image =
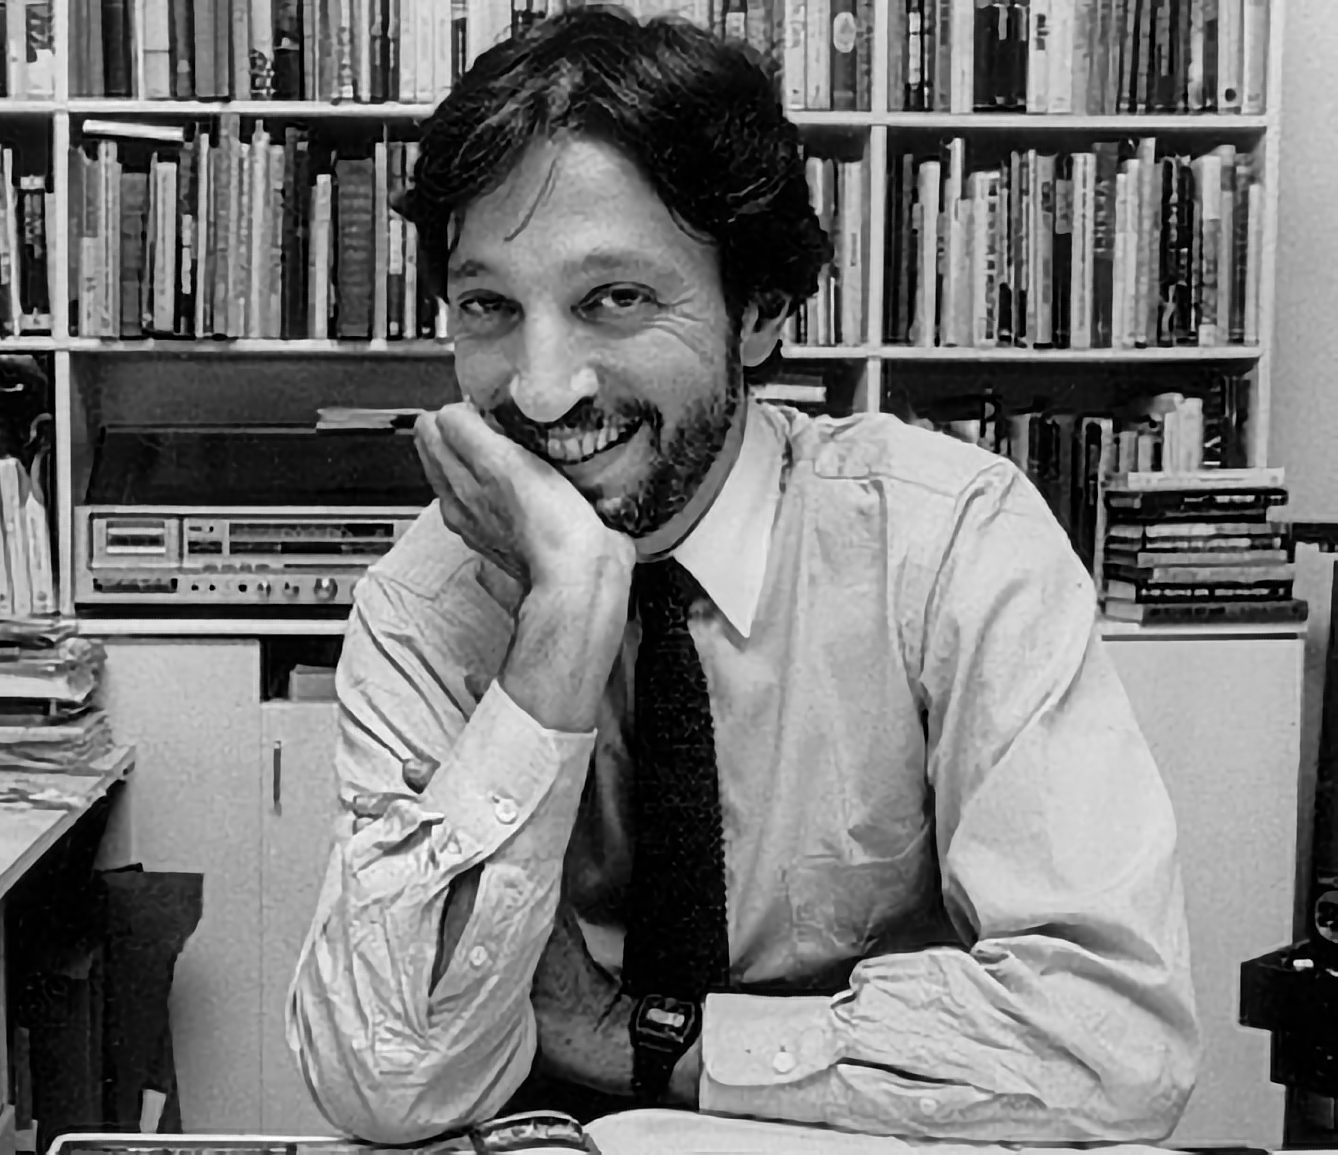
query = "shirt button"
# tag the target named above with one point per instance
(783, 1063)
(478, 956)
(505, 810)
(928, 1106)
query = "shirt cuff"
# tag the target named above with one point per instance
(503, 765)
(768, 1057)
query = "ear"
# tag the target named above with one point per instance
(760, 329)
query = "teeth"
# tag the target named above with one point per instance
(578, 447)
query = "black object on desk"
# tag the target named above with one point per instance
(1293, 992)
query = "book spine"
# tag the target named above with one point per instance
(1240, 240)
(818, 65)
(927, 211)
(288, 49)
(1254, 57)
(851, 180)
(1207, 170)
(380, 241)
(239, 34)
(442, 41)
(204, 79)
(410, 328)
(916, 92)
(795, 59)
(184, 304)
(1059, 57)
(1038, 66)
(353, 213)
(1043, 230)
(1230, 18)
(16, 54)
(204, 172)
(425, 53)
(1084, 31)
(894, 14)
(842, 38)
(181, 40)
(1080, 330)
(275, 243)
(135, 240)
(262, 50)
(1061, 291)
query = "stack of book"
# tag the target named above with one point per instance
(179, 232)
(1114, 247)
(1086, 57)
(1184, 548)
(50, 716)
(414, 51)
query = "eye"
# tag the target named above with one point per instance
(484, 310)
(617, 302)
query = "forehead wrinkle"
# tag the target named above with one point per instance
(545, 190)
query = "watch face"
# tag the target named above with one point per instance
(674, 1020)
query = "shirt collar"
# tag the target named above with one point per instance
(727, 550)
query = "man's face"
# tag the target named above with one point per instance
(593, 330)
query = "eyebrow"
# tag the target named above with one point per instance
(600, 261)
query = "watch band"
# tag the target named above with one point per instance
(651, 1072)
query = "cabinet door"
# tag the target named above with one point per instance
(192, 710)
(298, 804)
(1223, 718)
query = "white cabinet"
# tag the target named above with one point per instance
(298, 801)
(1222, 716)
(191, 709)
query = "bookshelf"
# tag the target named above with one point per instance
(866, 373)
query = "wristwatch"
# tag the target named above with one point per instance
(663, 1029)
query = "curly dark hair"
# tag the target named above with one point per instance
(698, 115)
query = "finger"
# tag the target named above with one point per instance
(441, 463)
(464, 430)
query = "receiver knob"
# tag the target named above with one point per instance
(324, 588)
(263, 587)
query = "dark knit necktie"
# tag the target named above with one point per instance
(677, 937)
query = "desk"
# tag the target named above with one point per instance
(27, 833)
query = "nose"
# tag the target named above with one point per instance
(552, 377)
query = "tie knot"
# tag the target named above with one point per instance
(663, 589)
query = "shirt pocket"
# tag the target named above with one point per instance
(841, 904)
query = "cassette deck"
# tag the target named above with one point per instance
(275, 516)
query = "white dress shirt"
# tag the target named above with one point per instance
(936, 803)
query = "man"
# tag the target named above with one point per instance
(693, 751)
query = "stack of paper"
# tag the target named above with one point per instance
(50, 716)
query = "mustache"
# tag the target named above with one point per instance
(583, 417)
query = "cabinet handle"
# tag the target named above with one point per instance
(277, 775)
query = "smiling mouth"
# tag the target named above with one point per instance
(575, 448)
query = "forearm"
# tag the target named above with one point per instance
(1000, 1044)
(568, 634)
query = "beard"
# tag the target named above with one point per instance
(679, 464)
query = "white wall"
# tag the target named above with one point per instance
(1304, 417)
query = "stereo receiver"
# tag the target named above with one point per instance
(240, 516)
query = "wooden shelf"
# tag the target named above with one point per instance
(10, 107)
(27, 345)
(1124, 124)
(259, 347)
(211, 627)
(305, 109)
(1215, 353)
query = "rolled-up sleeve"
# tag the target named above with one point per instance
(1069, 1016)
(387, 1056)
